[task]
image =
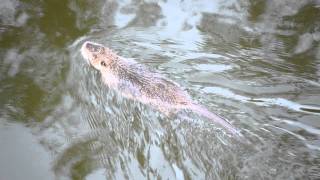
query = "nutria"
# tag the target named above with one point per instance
(135, 81)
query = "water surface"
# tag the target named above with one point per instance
(256, 63)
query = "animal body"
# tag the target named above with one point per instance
(137, 82)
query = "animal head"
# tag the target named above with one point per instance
(97, 55)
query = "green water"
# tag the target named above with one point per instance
(256, 63)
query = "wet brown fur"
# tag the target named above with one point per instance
(150, 84)
(137, 82)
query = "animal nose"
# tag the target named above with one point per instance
(92, 47)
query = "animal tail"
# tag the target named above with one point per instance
(215, 118)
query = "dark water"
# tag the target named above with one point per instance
(256, 63)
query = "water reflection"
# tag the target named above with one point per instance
(255, 63)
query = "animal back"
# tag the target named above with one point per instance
(150, 85)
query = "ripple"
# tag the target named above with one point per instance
(264, 101)
(201, 55)
(213, 67)
(303, 126)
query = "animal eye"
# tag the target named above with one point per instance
(103, 63)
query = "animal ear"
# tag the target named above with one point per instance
(103, 63)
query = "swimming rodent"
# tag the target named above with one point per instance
(136, 82)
